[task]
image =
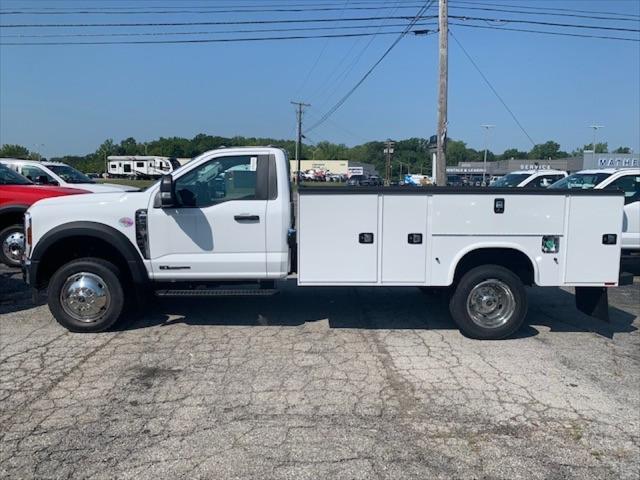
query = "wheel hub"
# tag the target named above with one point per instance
(491, 304)
(85, 296)
(13, 246)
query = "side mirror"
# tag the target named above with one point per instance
(167, 194)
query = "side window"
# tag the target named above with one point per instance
(542, 181)
(219, 180)
(630, 185)
(32, 173)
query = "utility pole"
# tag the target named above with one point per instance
(486, 147)
(388, 150)
(441, 160)
(299, 112)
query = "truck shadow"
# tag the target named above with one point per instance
(14, 294)
(376, 308)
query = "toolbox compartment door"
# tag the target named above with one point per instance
(590, 258)
(404, 239)
(338, 239)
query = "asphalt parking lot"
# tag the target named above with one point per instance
(320, 383)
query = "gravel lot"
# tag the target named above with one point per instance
(320, 383)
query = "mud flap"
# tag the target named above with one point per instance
(593, 301)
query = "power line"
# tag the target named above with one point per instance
(553, 24)
(221, 22)
(310, 8)
(315, 64)
(316, 20)
(156, 34)
(347, 71)
(528, 7)
(543, 32)
(323, 28)
(203, 40)
(495, 92)
(341, 102)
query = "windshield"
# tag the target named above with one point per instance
(9, 177)
(69, 174)
(581, 180)
(511, 180)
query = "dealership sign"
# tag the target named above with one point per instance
(611, 160)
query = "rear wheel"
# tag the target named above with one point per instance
(86, 295)
(12, 245)
(489, 303)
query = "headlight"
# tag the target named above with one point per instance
(28, 235)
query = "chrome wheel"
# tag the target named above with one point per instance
(491, 303)
(13, 246)
(85, 297)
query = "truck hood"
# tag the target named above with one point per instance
(105, 187)
(94, 200)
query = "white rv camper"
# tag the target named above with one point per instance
(140, 166)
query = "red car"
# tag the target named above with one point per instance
(16, 196)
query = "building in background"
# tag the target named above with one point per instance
(570, 164)
(336, 167)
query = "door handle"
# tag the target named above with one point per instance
(246, 218)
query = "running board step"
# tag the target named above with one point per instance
(203, 292)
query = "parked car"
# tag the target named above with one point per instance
(358, 181)
(17, 193)
(61, 174)
(625, 179)
(376, 181)
(454, 181)
(530, 178)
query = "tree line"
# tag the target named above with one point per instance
(412, 154)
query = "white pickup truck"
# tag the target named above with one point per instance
(223, 224)
(624, 179)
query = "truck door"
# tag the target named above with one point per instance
(218, 228)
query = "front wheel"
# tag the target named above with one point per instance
(86, 295)
(12, 245)
(489, 303)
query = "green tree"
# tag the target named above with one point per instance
(547, 150)
(14, 151)
(622, 150)
(514, 153)
(456, 152)
(601, 147)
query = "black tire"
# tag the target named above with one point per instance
(110, 277)
(10, 260)
(507, 279)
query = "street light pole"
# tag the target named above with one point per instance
(486, 147)
(593, 150)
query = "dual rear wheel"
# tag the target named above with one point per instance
(489, 303)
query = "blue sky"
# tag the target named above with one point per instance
(68, 99)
